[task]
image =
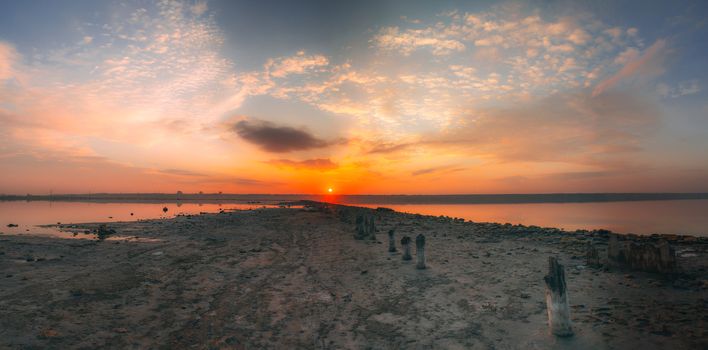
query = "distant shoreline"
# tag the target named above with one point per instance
(360, 199)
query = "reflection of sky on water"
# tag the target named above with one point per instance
(644, 217)
(29, 216)
(641, 217)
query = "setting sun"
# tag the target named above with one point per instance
(329, 190)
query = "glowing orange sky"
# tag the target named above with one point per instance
(493, 99)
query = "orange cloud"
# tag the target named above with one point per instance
(309, 164)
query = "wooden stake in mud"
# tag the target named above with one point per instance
(420, 251)
(592, 257)
(557, 300)
(391, 242)
(365, 228)
(406, 244)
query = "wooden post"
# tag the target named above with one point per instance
(420, 251)
(391, 242)
(365, 228)
(406, 244)
(615, 250)
(557, 300)
(370, 227)
(592, 257)
(359, 226)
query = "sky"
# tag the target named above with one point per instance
(364, 97)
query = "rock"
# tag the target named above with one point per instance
(384, 210)
(49, 333)
(102, 232)
(12, 225)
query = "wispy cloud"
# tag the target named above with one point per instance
(8, 55)
(684, 88)
(437, 170)
(312, 164)
(649, 63)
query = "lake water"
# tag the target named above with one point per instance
(689, 217)
(641, 217)
(29, 215)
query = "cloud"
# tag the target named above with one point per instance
(650, 63)
(312, 164)
(8, 55)
(391, 38)
(298, 64)
(387, 147)
(277, 139)
(440, 169)
(199, 8)
(683, 88)
(628, 55)
(181, 172)
(566, 127)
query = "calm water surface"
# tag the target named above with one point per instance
(645, 217)
(688, 217)
(30, 215)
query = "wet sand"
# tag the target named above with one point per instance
(293, 279)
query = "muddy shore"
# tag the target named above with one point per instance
(282, 278)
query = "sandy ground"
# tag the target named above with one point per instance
(292, 279)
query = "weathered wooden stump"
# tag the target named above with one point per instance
(645, 256)
(406, 244)
(420, 251)
(557, 300)
(391, 241)
(592, 257)
(365, 228)
(615, 249)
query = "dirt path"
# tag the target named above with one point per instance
(290, 279)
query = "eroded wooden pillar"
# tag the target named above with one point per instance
(420, 251)
(592, 257)
(391, 241)
(406, 244)
(557, 300)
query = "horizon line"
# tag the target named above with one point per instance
(345, 194)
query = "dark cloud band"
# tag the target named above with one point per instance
(277, 139)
